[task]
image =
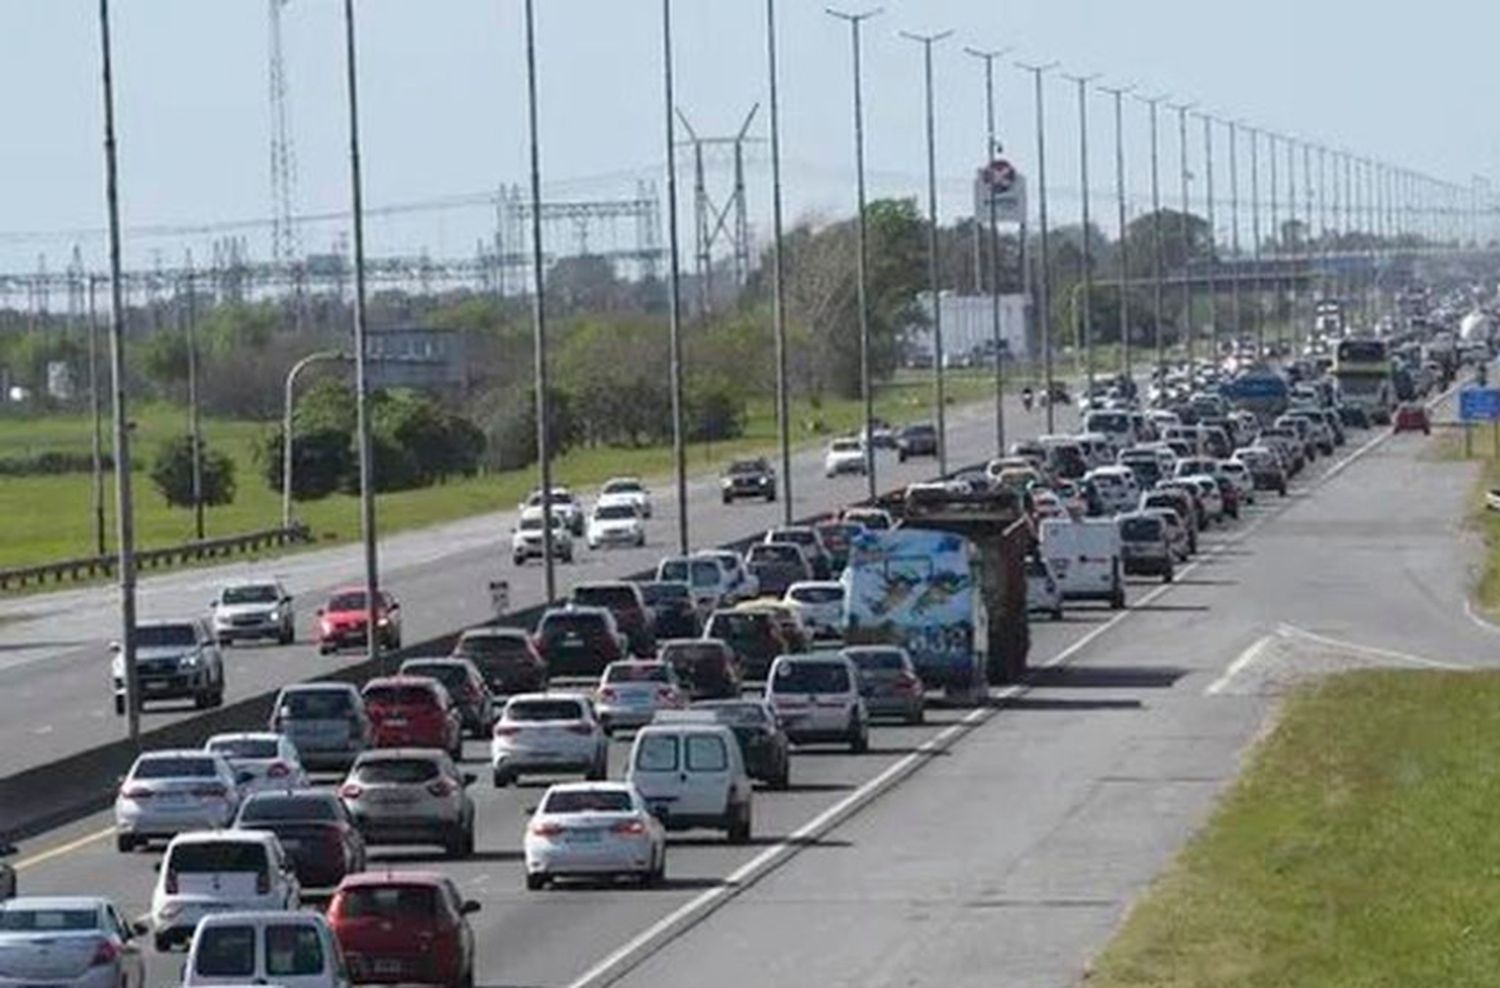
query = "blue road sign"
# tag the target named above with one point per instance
(1479, 404)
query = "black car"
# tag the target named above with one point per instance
(748, 478)
(462, 679)
(505, 658)
(763, 744)
(7, 874)
(672, 603)
(708, 667)
(580, 641)
(917, 440)
(315, 830)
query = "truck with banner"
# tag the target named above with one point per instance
(1362, 368)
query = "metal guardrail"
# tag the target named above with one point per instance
(88, 567)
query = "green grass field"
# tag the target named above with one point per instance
(1359, 849)
(49, 518)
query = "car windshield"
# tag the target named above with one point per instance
(884, 660)
(397, 771)
(26, 920)
(217, 855)
(817, 595)
(317, 704)
(1141, 529)
(623, 487)
(747, 466)
(244, 747)
(637, 672)
(588, 801)
(165, 635)
(533, 710)
(810, 677)
(294, 806)
(737, 625)
(614, 512)
(353, 601)
(175, 768)
(261, 594)
(533, 523)
(845, 446)
(395, 902)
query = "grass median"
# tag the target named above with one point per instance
(43, 519)
(1358, 849)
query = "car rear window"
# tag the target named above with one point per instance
(265, 808)
(175, 768)
(1141, 529)
(533, 710)
(706, 753)
(738, 714)
(687, 655)
(882, 661)
(811, 677)
(451, 676)
(411, 695)
(817, 595)
(293, 949)
(317, 704)
(768, 553)
(666, 593)
(557, 626)
(737, 625)
(226, 951)
(797, 535)
(389, 902)
(637, 672)
(614, 598)
(218, 855)
(24, 920)
(245, 747)
(397, 771)
(165, 635)
(588, 801)
(657, 753)
(491, 646)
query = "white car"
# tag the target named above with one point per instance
(1118, 489)
(690, 771)
(1086, 559)
(625, 490)
(1239, 475)
(68, 942)
(711, 583)
(548, 733)
(594, 829)
(253, 609)
(1177, 533)
(168, 792)
(820, 603)
(296, 950)
(630, 693)
(526, 538)
(616, 524)
(1042, 591)
(743, 584)
(1208, 488)
(816, 697)
(564, 504)
(845, 456)
(219, 871)
(261, 760)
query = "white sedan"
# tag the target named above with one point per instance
(845, 456)
(625, 490)
(261, 760)
(594, 830)
(821, 605)
(616, 524)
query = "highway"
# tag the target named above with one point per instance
(54, 663)
(990, 847)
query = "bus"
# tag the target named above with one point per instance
(1363, 370)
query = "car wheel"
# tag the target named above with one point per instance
(659, 874)
(125, 843)
(120, 706)
(535, 881)
(859, 741)
(501, 779)
(1166, 576)
(287, 636)
(324, 650)
(739, 827)
(202, 700)
(599, 771)
(728, 499)
(517, 560)
(1117, 602)
(783, 778)
(771, 497)
(455, 844)
(163, 943)
(918, 716)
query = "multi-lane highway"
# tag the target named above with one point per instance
(989, 847)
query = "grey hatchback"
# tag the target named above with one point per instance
(326, 721)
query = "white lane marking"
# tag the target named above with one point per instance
(41, 857)
(1385, 653)
(1246, 657)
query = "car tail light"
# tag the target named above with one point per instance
(907, 683)
(506, 730)
(607, 693)
(546, 829)
(171, 883)
(105, 953)
(628, 828)
(136, 792)
(581, 727)
(442, 787)
(666, 693)
(278, 770)
(350, 791)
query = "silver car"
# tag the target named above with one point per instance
(261, 760)
(73, 941)
(168, 792)
(326, 721)
(251, 610)
(174, 660)
(411, 796)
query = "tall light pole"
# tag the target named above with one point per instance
(1307, 234)
(288, 462)
(540, 361)
(674, 293)
(1235, 312)
(96, 444)
(778, 273)
(992, 148)
(1119, 94)
(933, 265)
(1213, 236)
(1184, 230)
(1274, 231)
(361, 357)
(866, 383)
(1088, 253)
(1260, 325)
(1156, 246)
(1044, 297)
(124, 508)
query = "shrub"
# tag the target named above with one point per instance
(172, 473)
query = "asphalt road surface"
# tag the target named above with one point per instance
(992, 847)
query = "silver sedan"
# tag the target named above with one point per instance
(77, 942)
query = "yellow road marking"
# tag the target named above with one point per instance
(41, 857)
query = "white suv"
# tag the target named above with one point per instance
(218, 871)
(547, 733)
(816, 698)
(844, 456)
(526, 537)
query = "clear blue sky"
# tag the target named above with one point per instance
(444, 109)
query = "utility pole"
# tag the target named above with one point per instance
(1185, 231)
(96, 445)
(778, 274)
(1119, 94)
(1044, 298)
(992, 148)
(674, 294)
(124, 507)
(1088, 255)
(933, 263)
(1156, 246)
(361, 357)
(1213, 236)
(867, 388)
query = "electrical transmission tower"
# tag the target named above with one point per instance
(712, 222)
(285, 249)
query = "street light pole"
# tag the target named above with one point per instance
(1184, 231)
(867, 387)
(96, 445)
(1088, 243)
(992, 148)
(933, 265)
(361, 357)
(124, 508)
(1044, 297)
(1156, 246)
(674, 294)
(1236, 313)
(1213, 236)
(778, 274)
(288, 463)
(1119, 95)
(1260, 326)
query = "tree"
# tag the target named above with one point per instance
(172, 473)
(320, 462)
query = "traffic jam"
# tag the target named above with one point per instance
(648, 708)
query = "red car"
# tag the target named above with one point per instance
(413, 712)
(1412, 417)
(342, 621)
(404, 927)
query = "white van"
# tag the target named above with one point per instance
(1117, 426)
(1085, 558)
(294, 950)
(688, 768)
(817, 698)
(218, 871)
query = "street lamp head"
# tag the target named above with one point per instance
(1038, 69)
(854, 16)
(989, 55)
(926, 39)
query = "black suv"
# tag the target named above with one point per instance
(748, 478)
(917, 440)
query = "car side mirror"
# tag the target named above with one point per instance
(139, 929)
(529, 810)
(116, 648)
(469, 778)
(156, 866)
(287, 599)
(469, 908)
(213, 603)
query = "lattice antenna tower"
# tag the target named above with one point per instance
(285, 248)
